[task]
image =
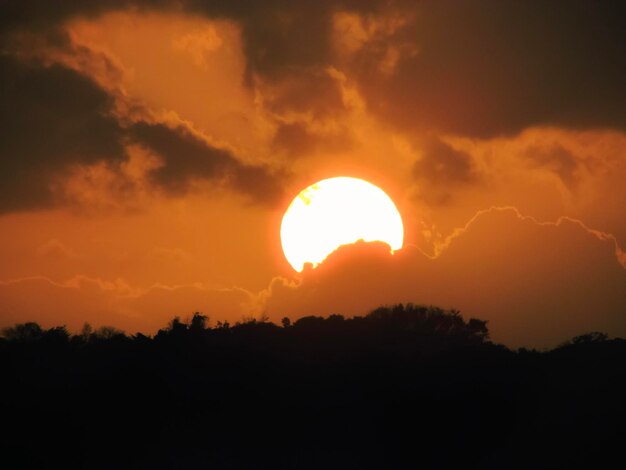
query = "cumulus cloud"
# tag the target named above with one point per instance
(536, 283)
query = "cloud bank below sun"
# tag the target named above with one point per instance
(569, 270)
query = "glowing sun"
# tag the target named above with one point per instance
(334, 212)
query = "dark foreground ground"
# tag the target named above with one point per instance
(404, 387)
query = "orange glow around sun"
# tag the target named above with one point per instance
(335, 212)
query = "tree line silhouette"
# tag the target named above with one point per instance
(404, 386)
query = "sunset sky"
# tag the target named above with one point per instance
(148, 152)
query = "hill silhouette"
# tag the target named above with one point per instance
(405, 386)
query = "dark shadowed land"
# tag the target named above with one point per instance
(403, 387)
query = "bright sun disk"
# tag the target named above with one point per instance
(335, 212)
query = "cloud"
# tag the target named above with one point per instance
(294, 138)
(482, 69)
(58, 123)
(313, 92)
(281, 39)
(377, 41)
(361, 85)
(41, 14)
(51, 118)
(490, 68)
(199, 44)
(187, 157)
(298, 139)
(556, 159)
(546, 172)
(536, 283)
(442, 164)
(442, 169)
(280, 36)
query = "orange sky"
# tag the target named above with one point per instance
(148, 156)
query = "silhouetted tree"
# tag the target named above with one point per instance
(86, 332)
(176, 326)
(478, 328)
(198, 323)
(57, 335)
(23, 332)
(374, 391)
(592, 337)
(222, 325)
(107, 333)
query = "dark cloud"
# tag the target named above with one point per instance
(442, 164)
(297, 140)
(557, 159)
(284, 41)
(184, 155)
(441, 169)
(187, 157)
(481, 68)
(51, 118)
(279, 35)
(294, 138)
(489, 68)
(283, 36)
(259, 184)
(309, 90)
(41, 15)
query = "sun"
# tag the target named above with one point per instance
(335, 212)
